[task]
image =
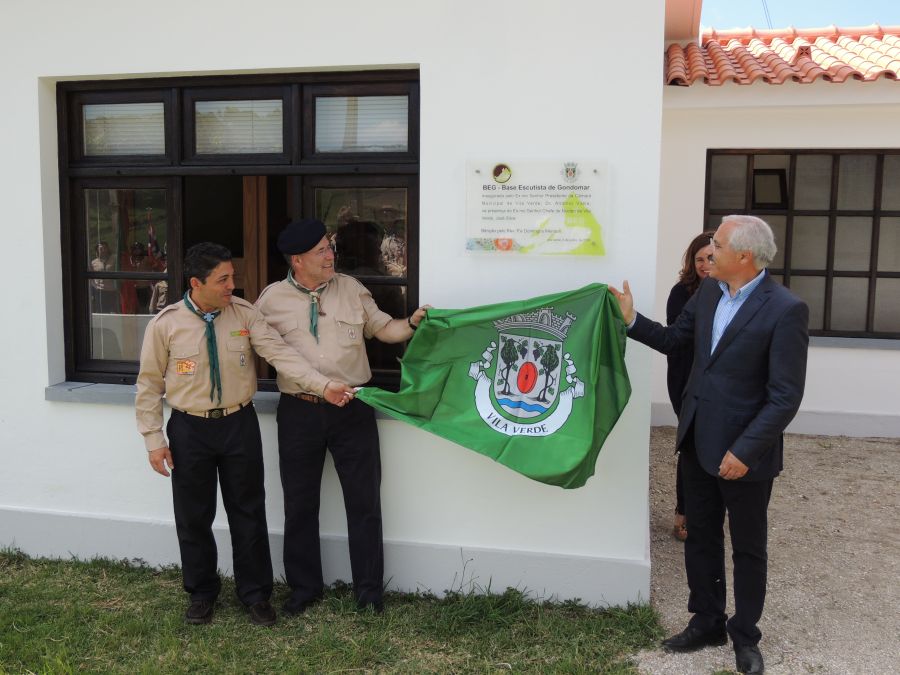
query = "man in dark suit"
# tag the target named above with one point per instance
(750, 338)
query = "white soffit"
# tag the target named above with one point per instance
(683, 20)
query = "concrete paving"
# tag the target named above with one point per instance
(833, 601)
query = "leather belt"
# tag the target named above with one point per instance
(309, 398)
(217, 413)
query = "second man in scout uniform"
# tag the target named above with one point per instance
(199, 354)
(325, 317)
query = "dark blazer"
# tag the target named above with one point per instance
(680, 361)
(742, 396)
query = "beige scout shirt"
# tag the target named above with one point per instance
(348, 314)
(175, 362)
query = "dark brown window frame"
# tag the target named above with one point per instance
(194, 95)
(78, 333)
(397, 89)
(77, 172)
(876, 213)
(75, 127)
(758, 201)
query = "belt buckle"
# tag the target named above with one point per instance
(216, 413)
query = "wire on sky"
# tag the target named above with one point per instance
(766, 10)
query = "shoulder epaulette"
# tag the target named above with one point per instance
(266, 289)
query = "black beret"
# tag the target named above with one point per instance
(300, 236)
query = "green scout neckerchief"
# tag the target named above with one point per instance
(313, 304)
(215, 376)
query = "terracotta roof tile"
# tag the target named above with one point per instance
(803, 55)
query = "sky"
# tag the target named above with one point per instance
(725, 14)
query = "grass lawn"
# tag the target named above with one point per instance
(65, 616)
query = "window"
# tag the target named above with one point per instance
(369, 123)
(361, 124)
(150, 168)
(124, 264)
(237, 125)
(124, 129)
(836, 218)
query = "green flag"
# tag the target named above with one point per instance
(536, 385)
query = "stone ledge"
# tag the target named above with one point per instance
(265, 402)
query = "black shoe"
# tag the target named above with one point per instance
(692, 638)
(262, 613)
(294, 607)
(200, 611)
(749, 660)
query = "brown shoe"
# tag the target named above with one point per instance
(199, 612)
(679, 529)
(262, 613)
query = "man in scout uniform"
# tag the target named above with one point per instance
(199, 354)
(325, 317)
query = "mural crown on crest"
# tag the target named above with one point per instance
(543, 319)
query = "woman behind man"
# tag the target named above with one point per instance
(694, 269)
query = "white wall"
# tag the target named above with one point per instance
(850, 390)
(511, 79)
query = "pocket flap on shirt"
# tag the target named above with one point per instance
(352, 317)
(350, 327)
(184, 351)
(238, 344)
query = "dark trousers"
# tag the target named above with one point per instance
(305, 430)
(707, 499)
(231, 448)
(679, 488)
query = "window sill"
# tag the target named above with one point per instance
(852, 343)
(265, 402)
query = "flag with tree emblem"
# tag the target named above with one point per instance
(536, 385)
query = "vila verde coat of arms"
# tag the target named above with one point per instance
(530, 387)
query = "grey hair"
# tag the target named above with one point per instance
(753, 234)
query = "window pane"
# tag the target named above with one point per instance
(849, 301)
(728, 182)
(773, 162)
(852, 244)
(391, 299)
(120, 311)
(713, 222)
(370, 227)
(124, 129)
(890, 190)
(362, 123)
(813, 188)
(779, 227)
(233, 127)
(768, 190)
(127, 229)
(812, 290)
(856, 182)
(887, 308)
(889, 245)
(809, 250)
